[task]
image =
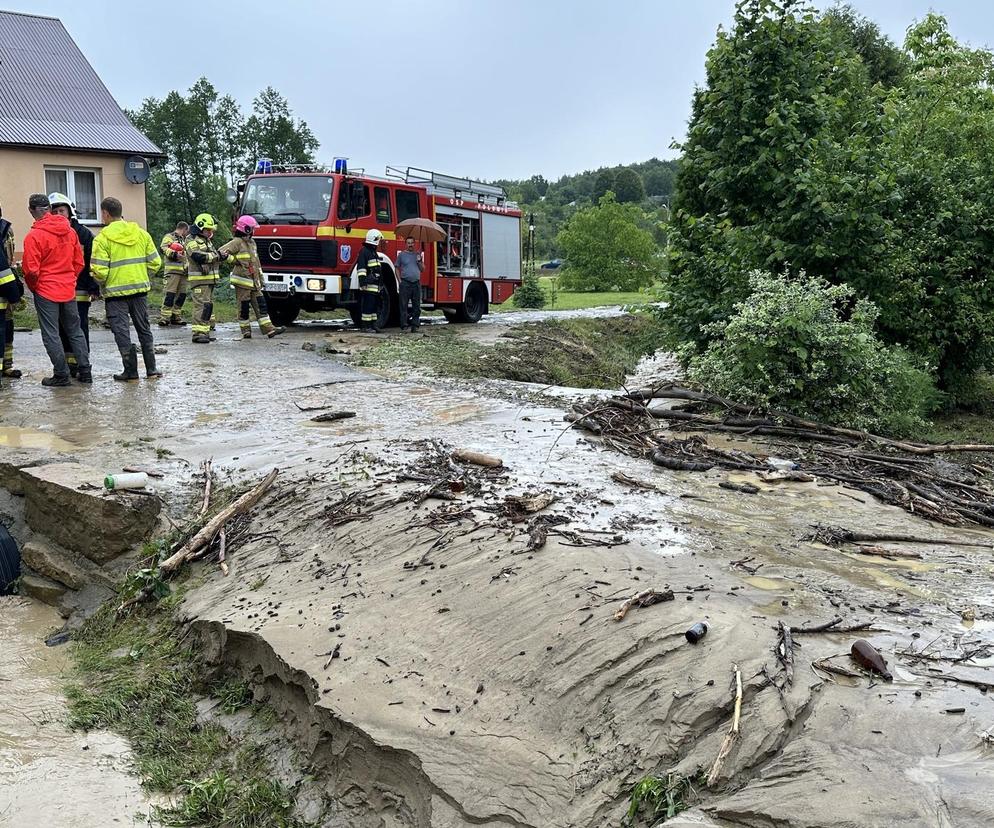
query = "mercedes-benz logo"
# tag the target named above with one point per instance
(276, 251)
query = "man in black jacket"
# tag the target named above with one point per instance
(368, 269)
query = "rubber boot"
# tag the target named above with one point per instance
(130, 360)
(85, 376)
(55, 381)
(177, 321)
(246, 329)
(148, 355)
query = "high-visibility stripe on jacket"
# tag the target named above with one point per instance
(246, 271)
(368, 267)
(173, 260)
(7, 277)
(206, 271)
(124, 259)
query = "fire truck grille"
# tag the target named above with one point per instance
(289, 252)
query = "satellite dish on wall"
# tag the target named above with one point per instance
(136, 169)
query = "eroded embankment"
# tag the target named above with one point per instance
(439, 670)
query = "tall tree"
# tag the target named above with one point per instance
(606, 249)
(628, 187)
(604, 183)
(272, 132)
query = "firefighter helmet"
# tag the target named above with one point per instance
(205, 221)
(57, 199)
(374, 237)
(246, 225)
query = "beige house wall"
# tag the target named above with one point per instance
(22, 172)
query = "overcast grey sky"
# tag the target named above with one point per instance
(486, 88)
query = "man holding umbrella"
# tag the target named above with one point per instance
(409, 265)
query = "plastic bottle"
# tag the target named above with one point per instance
(697, 632)
(129, 480)
(867, 656)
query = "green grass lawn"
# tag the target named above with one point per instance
(568, 300)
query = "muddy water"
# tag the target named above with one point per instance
(51, 776)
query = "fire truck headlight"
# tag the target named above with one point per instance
(315, 284)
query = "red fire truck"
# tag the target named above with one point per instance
(312, 223)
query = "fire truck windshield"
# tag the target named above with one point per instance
(288, 199)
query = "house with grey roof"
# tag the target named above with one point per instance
(61, 129)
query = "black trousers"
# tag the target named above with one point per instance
(410, 294)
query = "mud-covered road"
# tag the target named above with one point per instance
(480, 683)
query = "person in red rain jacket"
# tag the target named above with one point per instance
(52, 259)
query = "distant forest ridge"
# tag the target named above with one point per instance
(650, 180)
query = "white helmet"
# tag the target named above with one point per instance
(374, 237)
(55, 199)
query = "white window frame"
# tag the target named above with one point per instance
(71, 186)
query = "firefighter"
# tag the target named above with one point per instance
(368, 270)
(86, 285)
(174, 262)
(203, 264)
(11, 293)
(246, 278)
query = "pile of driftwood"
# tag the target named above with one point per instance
(911, 475)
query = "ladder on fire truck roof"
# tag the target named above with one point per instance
(449, 184)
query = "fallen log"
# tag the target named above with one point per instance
(207, 533)
(827, 534)
(476, 458)
(833, 627)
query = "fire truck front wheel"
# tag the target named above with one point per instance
(283, 310)
(474, 306)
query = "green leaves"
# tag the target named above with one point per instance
(606, 249)
(817, 146)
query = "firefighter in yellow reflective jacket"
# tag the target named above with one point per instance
(174, 269)
(368, 269)
(11, 292)
(203, 274)
(246, 278)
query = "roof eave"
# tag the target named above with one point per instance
(158, 155)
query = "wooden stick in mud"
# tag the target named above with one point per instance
(884, 537)
(785, 651)
(208, 479)
(204, 536)
(222, 541)
(833, 627)
(733, 731)
(645, 598)
(883, 552)
(477, 459)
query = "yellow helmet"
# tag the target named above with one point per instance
(205, 221)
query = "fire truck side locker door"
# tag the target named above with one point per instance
(501, 247)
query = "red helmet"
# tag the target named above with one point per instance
(246, 225)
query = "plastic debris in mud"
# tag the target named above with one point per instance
(128, 480)
(697, 632)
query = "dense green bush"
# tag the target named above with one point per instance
(529, 293)
(807, 347)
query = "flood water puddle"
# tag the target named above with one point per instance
(50, 775)
(32, 438)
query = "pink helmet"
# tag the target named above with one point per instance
(246, 224)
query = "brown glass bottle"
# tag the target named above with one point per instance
(866, 655)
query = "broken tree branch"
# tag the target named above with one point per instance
(477, 459)
(833, 627)
(208, 480)
(222, 542)
(785, 652)
(206, 534)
